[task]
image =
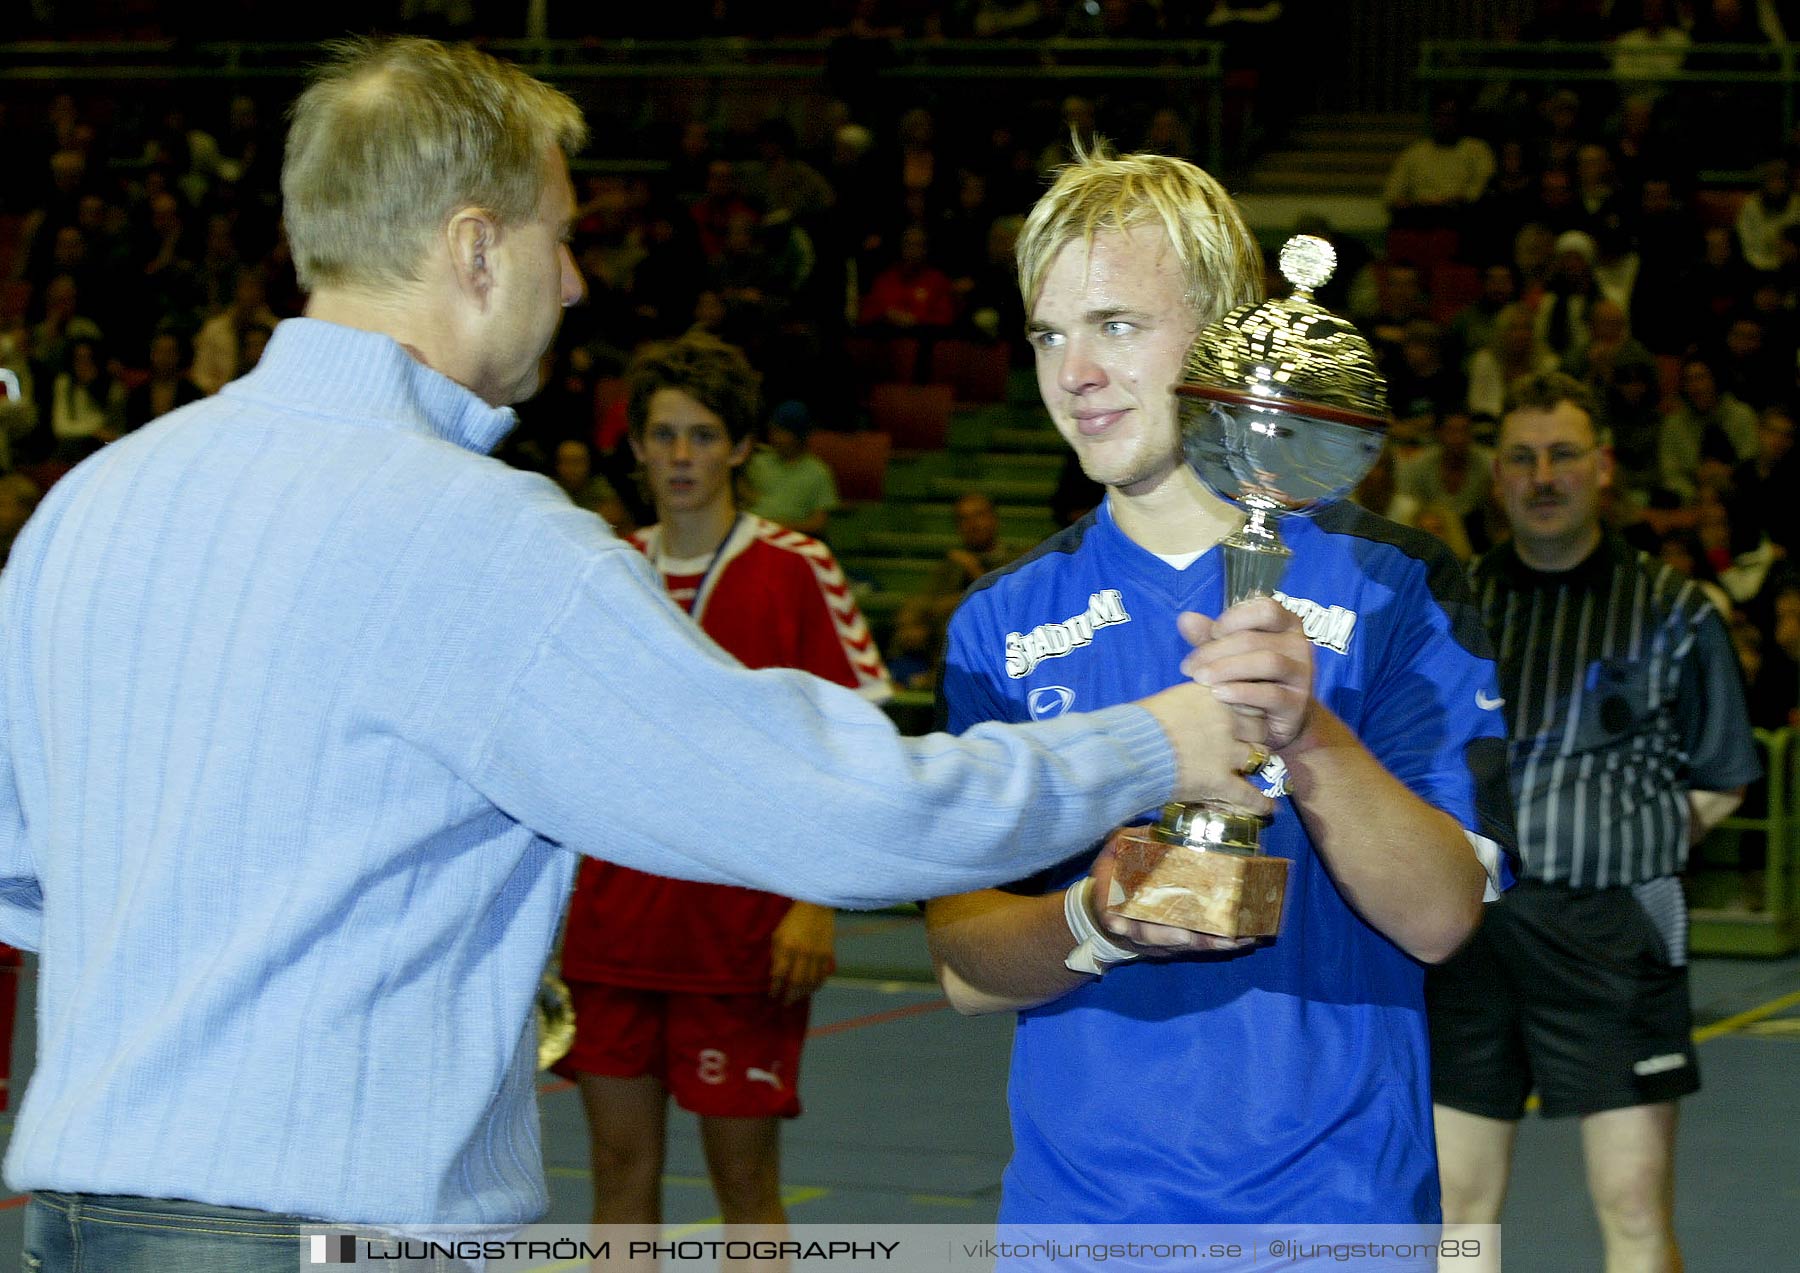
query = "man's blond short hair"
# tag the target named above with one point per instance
(393, 136)
(1219, 256)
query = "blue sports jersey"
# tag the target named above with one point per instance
(1290, 1083)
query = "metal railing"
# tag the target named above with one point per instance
(1757, 75)
(1188, 72)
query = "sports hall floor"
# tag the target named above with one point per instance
(906, 1120)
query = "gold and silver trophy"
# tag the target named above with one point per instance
(1282, 411)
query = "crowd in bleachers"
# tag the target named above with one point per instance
(1599, 232)
(841, 240)
(850, 240)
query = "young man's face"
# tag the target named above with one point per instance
(1111, 331)
(687, 454)
(1549, 470)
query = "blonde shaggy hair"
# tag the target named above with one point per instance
(1220, 259)
(395, 135)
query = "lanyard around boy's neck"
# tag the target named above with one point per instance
(712, 564)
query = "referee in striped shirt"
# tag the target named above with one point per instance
(1630, 740)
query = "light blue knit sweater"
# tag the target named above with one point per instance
(307, 705)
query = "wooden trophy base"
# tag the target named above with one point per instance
(1224, 894)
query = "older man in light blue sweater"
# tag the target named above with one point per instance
(308, 708)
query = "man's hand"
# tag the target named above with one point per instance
(800, 952)
(1255, 656)
(1215, 746)
(1153, 941)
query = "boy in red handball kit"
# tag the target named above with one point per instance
(701, 991)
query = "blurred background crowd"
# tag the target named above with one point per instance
(846, 227)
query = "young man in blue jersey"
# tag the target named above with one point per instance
(1283, 1081)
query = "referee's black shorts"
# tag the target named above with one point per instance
(1569, 991)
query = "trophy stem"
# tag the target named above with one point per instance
(1202, 866)
(1255, 558)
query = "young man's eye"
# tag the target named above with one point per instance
(1046, 340)
(1117, 327)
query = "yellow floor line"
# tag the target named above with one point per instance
(1742, 1019)
(790, 1197)
(939, 1200)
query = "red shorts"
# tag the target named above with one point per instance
(730, 1056)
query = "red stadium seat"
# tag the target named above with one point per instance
(975, 373)
(916, 417)
(858, 460)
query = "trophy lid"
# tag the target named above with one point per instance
(1291, 355)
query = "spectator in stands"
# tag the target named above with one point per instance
(1597, 190)
(790, 184)
(1168, 134)
(1556, 207)
(1515, 350)
(1533, 250)
(216, 272)
(916, 646)
(1511, 201)
(1681, 552)
(1401, 299)
(1424, 384)
(1438, 179)
(1473, 325)
(670, 275)
(1717, 283)
(1455, 472)
(1647, 55)
(1739, 554)
(979, 550)
(1630, 410)
(574, 472)
(1442, 522)
(1766, 488)
(1641, 144)
(1559, 135)
(916, 169)
(912, 293)
(63, 323)
(19, 497)
(171, 286)
(1609, 346)
(713, 211)
(86, 399)
(1745, 366)
(18, 386)
(793, 487)
(1380, 492)
(1706, 436)
(1665, 237)
(991, 307)
(1766, 213)
(166, 387)
(250, 349)
(219, 354)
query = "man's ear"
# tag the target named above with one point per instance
(472, 234)
(741, 452)
(637, 450)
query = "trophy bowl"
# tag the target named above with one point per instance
(1282, 412)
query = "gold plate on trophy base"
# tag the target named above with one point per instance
(1224, 894)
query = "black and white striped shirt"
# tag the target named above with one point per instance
(1622, 694)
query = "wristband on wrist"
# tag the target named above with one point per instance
(1094, 951)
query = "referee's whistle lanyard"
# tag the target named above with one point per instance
(698, 604)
